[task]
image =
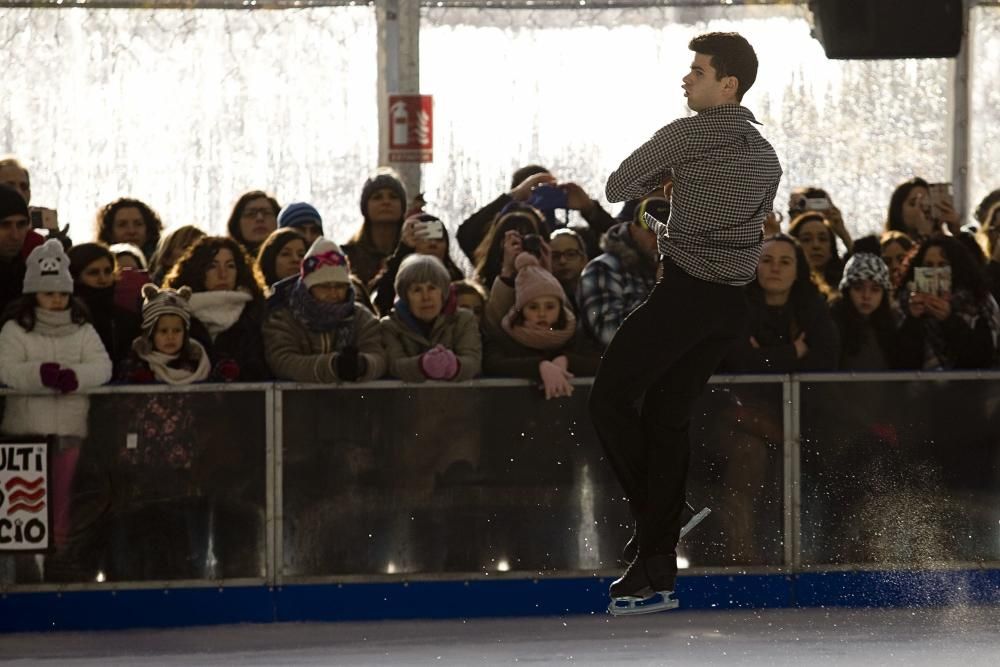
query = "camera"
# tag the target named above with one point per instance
(532, 243)
(548, 198)
(44, 218)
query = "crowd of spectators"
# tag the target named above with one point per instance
(275, 299)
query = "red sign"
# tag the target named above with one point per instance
(411, 128)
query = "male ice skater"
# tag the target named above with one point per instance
(725, 176)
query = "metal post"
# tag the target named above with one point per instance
(792, 497)
(959, 105)
(398, 30)
(276, 518)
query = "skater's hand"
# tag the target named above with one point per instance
(555, 380)
(511, 249)
(668, 187)
(523, 190)
(801, 349)
(754, 344)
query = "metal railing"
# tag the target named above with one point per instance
(388, 481)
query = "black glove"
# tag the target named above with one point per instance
(348, 364)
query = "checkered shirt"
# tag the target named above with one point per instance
(725, 180)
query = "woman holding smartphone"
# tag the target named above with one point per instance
(950, 319)
(422, 234)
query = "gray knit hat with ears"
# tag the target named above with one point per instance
(159, 302)
(865, 266)
(48, 269)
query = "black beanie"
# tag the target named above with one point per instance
(382, 179)
(11, 202)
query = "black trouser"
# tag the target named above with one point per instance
(667, 349)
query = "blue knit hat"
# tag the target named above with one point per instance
(298, 214)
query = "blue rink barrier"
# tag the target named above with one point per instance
(111, 610)
(482, 499)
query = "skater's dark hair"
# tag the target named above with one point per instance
(732, 55)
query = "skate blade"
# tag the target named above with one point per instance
(694, 521)
(631, 606)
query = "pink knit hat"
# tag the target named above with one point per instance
(533, 281)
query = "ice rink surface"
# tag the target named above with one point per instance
(950, 636)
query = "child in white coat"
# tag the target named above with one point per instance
(49, 351)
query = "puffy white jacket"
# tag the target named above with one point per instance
(21, 355)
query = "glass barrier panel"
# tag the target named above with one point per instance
(900, 472)
(489, 478)
(165, 486)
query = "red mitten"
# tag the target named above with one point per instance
(67, 381)
(49, 372)
(228, 370)
(142, 375)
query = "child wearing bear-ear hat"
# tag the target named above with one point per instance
(166, 352)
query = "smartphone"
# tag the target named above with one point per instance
(932, 280)
(430, 230)
(936, 193)
(817, 204)
(44, 218)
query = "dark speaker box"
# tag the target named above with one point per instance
(873, 29)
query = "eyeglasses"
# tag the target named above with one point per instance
(264, 212)
(568, 255)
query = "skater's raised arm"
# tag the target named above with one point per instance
(649, 165)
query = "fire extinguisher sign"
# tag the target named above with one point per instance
(411, 128)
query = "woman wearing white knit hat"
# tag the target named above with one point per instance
(314, 331)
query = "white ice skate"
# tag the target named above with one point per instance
(634, 605)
